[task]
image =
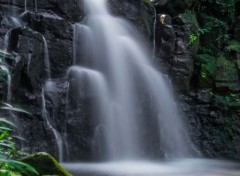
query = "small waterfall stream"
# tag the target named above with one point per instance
(47, 87)
(46, 59)
(25, 5)
(154, 31)
(58, 138)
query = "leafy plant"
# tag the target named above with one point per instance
(9, 166)
(193, 38)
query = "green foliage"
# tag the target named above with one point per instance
(192, 38)
(233, 45)
(230, 100)
(221, 8)
(208, 68)
(224, 63)
(208, 62)
(8, 152)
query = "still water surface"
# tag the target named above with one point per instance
(186, 167)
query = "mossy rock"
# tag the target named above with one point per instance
(208, 70)
(227, 79)
(45, 164)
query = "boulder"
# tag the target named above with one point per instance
(45, 164)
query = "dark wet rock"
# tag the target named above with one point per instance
(237, 29)
(165, 41)
(29, 46)
(174, 7)
(132, 10)
(9, 10)
(71, 9)
(204, 96)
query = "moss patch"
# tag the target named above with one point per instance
(45, 164)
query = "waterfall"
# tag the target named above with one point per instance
(132, 101)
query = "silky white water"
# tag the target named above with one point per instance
(25, 5)
(49, 86)
(137, 115)
(46, 58)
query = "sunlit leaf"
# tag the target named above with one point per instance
(22, 167)
(3, 135)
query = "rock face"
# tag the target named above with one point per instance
(207, 84)
(208, 87)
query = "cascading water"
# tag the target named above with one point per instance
(36, 5)
(154, 31)
(48, 87)
(131, 99)
(46, 59)
(25, 5)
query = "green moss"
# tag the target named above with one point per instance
(231, 100)
(227, 80)
(207, 71)
(45, 164)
